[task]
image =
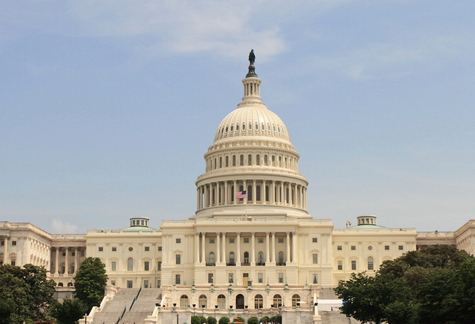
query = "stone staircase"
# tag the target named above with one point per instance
(143, 306)
(336, 318)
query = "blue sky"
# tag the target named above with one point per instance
(107, 107)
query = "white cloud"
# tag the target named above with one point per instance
(59, 226)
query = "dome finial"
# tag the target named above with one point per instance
(252, 68)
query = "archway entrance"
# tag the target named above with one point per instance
(239, 301)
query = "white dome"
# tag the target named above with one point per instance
(252, 119)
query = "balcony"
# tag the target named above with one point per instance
(231, 264)
(210, 264)
(280, 264)
(260, 264)
(245, 264)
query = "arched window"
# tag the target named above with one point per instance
(370, 263)
(184, 301)
(258, 159)
(130, 264)
(281, 258)
(203, 302)
(267, 193)
(295, 300)
(221, 302)
(220, 161)
(249, 192)
(265, 160)
(227, 161)
(231, 258)
(211, 258)
(258, 193)
(215, 164)
(241, 160)
(234, 160)
(277, 300)
(249, 159)
(60, 284)
(260, 258)
(258, 302)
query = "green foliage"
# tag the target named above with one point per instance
(69, 311)
(211, 320)
(264, 319)
(224, 320)
(90, 282)
(435, 285)
(198, 319)
(276, 319)
(240, 319)
(253, 320)
(25, 294)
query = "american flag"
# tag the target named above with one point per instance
(241, 194)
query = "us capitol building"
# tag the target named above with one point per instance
(251, 243)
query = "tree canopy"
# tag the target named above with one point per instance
(90, 282)
(25, 294)
(435, 285)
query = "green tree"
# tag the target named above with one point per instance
(69, 311)
(211, 320)
(26, 293)
(253, 320)
(466, 291)
(377, 299)
(198, 319)
(224, 320)
(90, 282)
(240, 319)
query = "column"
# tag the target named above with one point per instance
(218, 248)
(198, 198)
(197, 248)
(267, 249)
(56, 262)
(294, 247)
(238, 259)
(287, 259)
(273, 248)
(205, 189)
(234, 192)
(253, 238)
(223, 246)
(226, 193)
(272, 192)
(254, 192)
(76, 260)
(66, 261)
(203, 243)
(5, 250)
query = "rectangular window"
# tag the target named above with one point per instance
(315, 278)
(130, 284)
(101, 249)
(353, 265)
(13, 242)
(159, 283)
(210, 278)
(177, 279)
(280, 240)
(146, 266)
(353, 247)
(315, 258)
(13, 262)
(246, 240)
(340, 265)
(3, 243)
(114, 249)
(82, 253)
(159, 265)
(147, 248)
(211, 240)
(178, 240)
(314, 239)
(386, 247)
(281, 278)
(114, 266)
(260, 278)
(260, 240)
(178, 258)
(159, 248)
(145, 283)
(401, 247)
(339, 247)
(113, 282)
(231, 278)
(231, 240)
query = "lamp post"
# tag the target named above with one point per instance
(177, 318)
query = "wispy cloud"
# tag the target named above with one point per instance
(59, 226)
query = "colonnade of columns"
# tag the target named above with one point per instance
(5, 250)
(222, 249)
(223, 193)
(63, 264)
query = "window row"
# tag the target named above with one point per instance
(370, 247)
(280, 161)
(221, 301)
(231, 261)
(251, 127)
(146, 265)
(114, 248)
(353, 264)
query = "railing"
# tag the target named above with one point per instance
(280, 263)
(245, 264)
(121, 315)
(260, 263)
(135, 298)
(231, 264)
(210, 264)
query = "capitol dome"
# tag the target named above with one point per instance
(252, 155)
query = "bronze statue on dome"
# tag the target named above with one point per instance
(252, 57)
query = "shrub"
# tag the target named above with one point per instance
(224, 320)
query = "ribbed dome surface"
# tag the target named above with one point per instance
(252, 120)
